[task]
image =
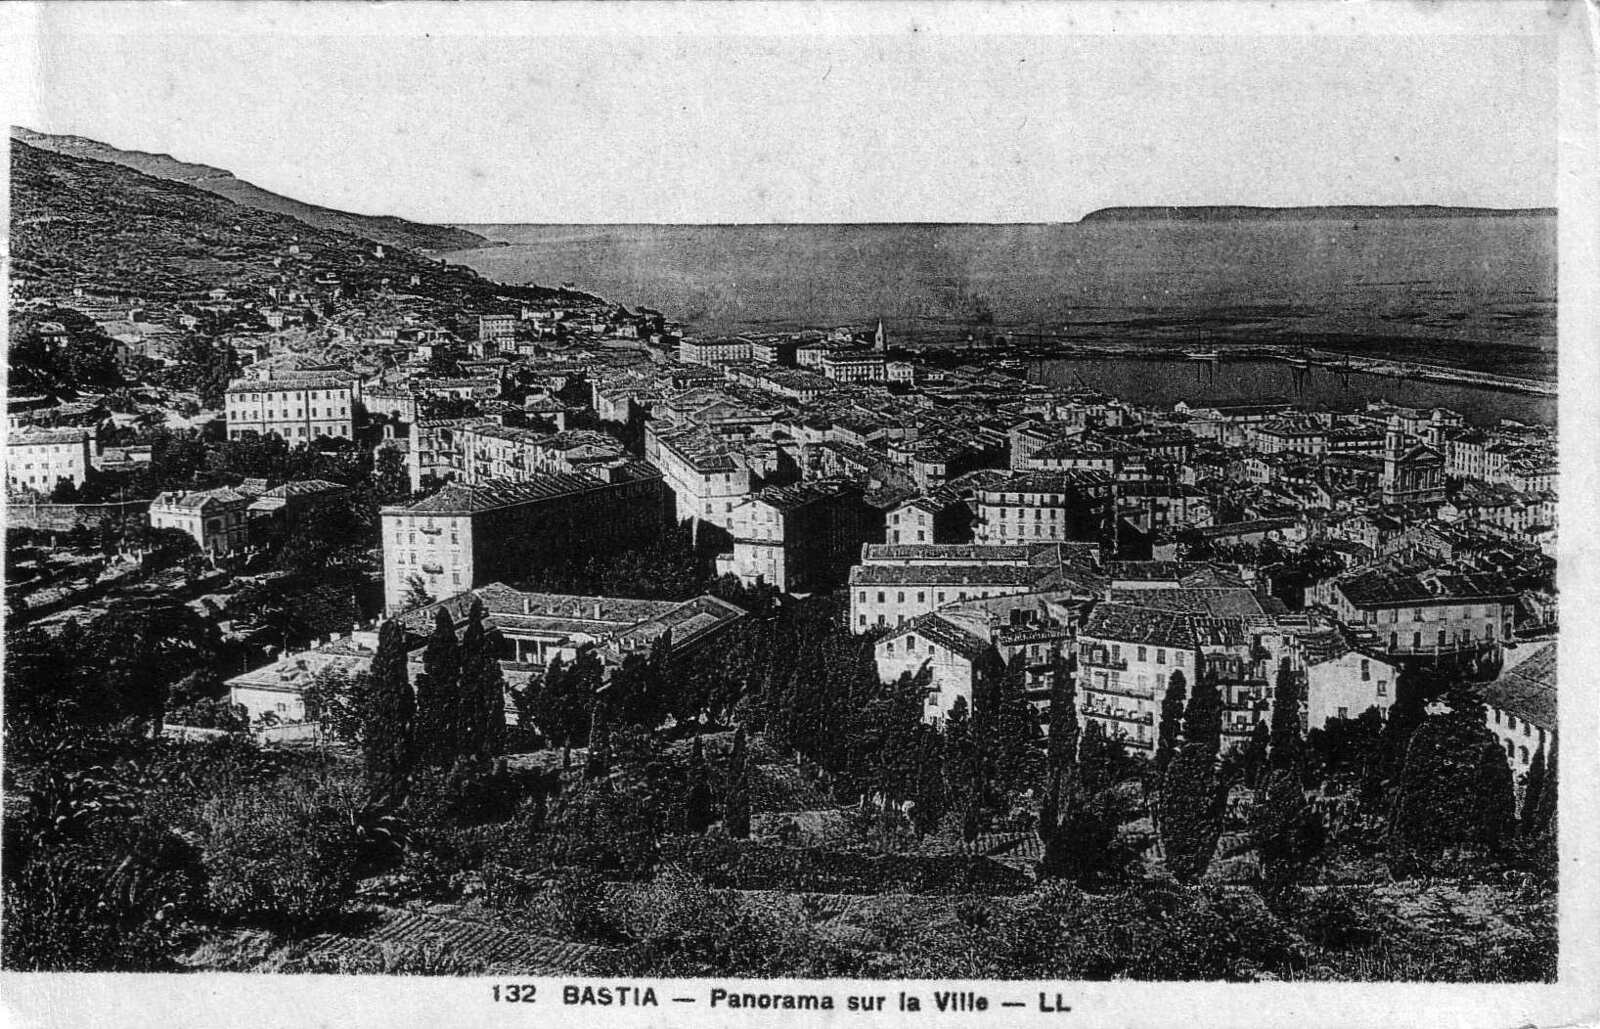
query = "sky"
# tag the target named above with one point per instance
(490, 115)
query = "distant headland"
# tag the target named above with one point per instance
(1226, 213)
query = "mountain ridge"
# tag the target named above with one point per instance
(386, 229)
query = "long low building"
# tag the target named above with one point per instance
(535, 629)
(895, 583)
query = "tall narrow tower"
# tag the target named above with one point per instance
(879, 340)
(1393, 440)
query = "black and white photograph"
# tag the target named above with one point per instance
(716, 512)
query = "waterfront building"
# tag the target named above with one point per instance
(728, 350)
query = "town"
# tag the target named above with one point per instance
(611, 637)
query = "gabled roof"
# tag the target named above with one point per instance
(945, 633)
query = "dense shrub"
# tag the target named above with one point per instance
(284, 855)
(738, 864)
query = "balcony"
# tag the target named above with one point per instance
(1117, 691)
(1130, 717)
(1102, 659)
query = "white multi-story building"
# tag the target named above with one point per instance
(729, 350)
(708, 477)
(298, 409)
(1429, 614)
(465, 536)
(38, 459)
(895, 583)
(217, 519)
(1520, 709)
(1044, 507)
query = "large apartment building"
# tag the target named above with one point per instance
(707, 476)
(896, 583)
(299, 409)
(730, 350)
(803, 537)
(1045, 507)
(1428, 614)
(478, 450)
(465, 536)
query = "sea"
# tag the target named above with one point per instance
(1468, 292)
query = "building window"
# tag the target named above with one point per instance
(1416, 641)
(1161, 655)
(1383, 688)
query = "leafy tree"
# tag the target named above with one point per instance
(438, 689)
(560, 704)
(1101, 758)
(1086, 847)
(337, 702)
(386, 741)
(1454, 789)
(416, 594)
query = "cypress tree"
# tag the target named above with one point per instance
(386, 739)
(1543, 813)
(1406, 715)
(598, 765)
(697, 799)
(1532, 790)
(491, 684)
(736, 798)
(1063, 743)
(482, 688)
(963, 777)
(1285, 745)
(1202, 716)
(1192, 797)
(1286, 831)
(1172, 704)
(1014, 738)
(438, 696)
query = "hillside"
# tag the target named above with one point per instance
(110, 231)
(381, 228)
(1332, 213)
